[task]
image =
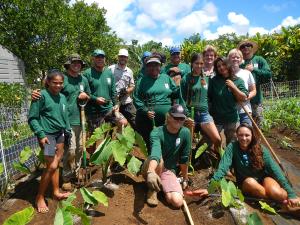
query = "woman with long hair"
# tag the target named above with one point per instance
(224, 92)
(257, 174)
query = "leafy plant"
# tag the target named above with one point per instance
(229, 192)
(118, 149)
(254, 219)
(93, 198)
(21, 217)
(266, 207)
(200, 150)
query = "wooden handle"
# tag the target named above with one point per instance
(186, 208)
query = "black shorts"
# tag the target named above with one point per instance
(54, 139)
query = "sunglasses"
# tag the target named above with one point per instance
(248, 45)
(181, 119)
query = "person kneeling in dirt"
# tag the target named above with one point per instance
(257, 174)
(170, 146)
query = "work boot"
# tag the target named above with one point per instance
(67, 186)
(152, 198)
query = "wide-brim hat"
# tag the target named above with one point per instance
(72, 58)
(247, 41)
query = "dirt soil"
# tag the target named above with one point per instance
(127, 204)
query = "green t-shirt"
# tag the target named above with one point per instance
(194, 92)
(240, 161)
(48, 114)
(173, 148)
(223, 103)
(102, 84)
(261, 73)
(155, 95)
(184, 68)
(72, 88)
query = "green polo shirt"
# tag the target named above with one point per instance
(174, 149)
(48, 114)
(194, 90)
(240, 161)
(261, 73)
(223, 102)
(102, 84)
(72, 88)
(184, 68)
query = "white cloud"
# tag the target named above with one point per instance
(197, 21)
(238, 19)
(288, 21)
(144, 21)
(254, 30)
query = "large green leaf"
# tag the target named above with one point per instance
(200, 150)
(141, 143)
(240, 195)
(21, 217)
(213, 186)
(266, 207)
(254, 219)
(58, 219)
(84, 218)
(129, 135)
(134, 165)
(99, 149)
(99, 133)
(224, 184)
(22, 168)
(119, 152)
(25, 154)
(226, 198)
(232, 188)
(1, 168)
(88, 196)
(100, 197)
(105, 154)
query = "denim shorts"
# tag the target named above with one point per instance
(244, 118)
(202, 117)
(54, 139)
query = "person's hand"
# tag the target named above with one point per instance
(197, 193)
(100, 101)
(116, 108)
(230, 84)
(151, 114)
(293, 202)
(177, 79)
(83, 96)
(174, 70)
(153, 181)
(185, 184)
(249, 67)
(35, 94)
(44, 141)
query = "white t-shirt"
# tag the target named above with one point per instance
(123, 79)
(248, 79)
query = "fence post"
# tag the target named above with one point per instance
(3, 159)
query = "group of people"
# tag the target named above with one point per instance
(164, 104)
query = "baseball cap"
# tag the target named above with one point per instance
(73, 57)
(153, 59)
(98, 52)
(123, 52)
(177, 111)
(174, 50)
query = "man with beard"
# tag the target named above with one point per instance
(124, 86)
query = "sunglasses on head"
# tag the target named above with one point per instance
(248, 45)
(178, 118)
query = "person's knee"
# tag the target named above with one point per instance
(175, 199)
(249, 184)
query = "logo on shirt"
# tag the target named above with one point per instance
(167, 86)
(108, 80)
(177, 141)
(63, 107)
(255, 65)
(81, 88)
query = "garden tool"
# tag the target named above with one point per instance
(84, 171)
(186, 209)
(267, 143)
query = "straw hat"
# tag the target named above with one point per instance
(247, 41)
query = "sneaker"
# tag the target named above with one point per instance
(67, 186)
(152, 198)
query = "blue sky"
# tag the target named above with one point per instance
(170, 21)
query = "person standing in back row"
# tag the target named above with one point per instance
(124, 86)
(261, 72)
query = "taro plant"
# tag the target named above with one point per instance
(266, 207)
(21, 217)
(116, 147)
(254, 219)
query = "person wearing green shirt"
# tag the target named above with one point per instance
(103, 106)
(194, 87)
(48, 119)
(209, 54)
(153, 97)
(144, 58)
(175, 65)
(257, 174)
(170, 147)
(224, 91)
(261, 72)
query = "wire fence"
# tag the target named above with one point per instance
(281, 90)
(15, 135)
